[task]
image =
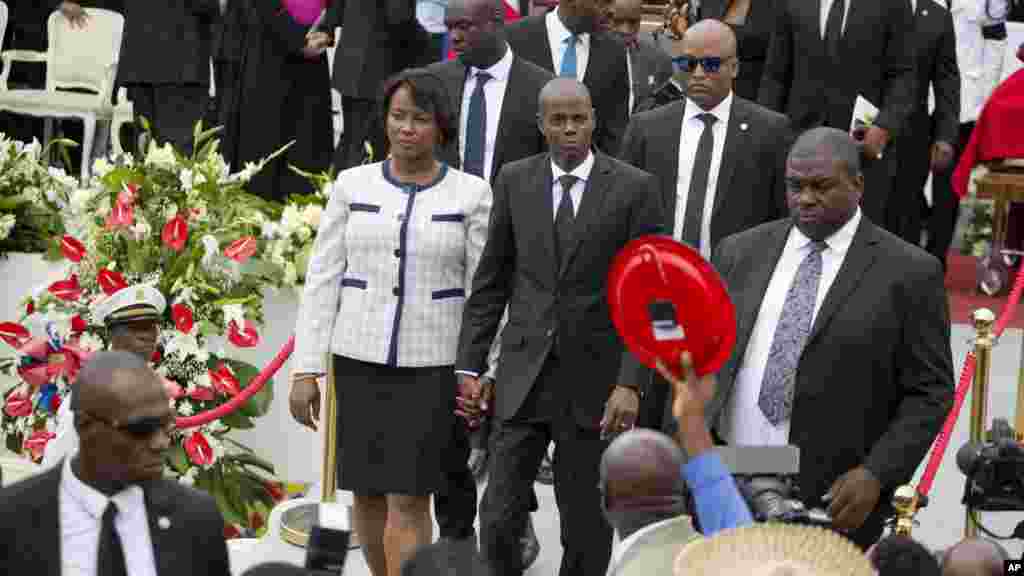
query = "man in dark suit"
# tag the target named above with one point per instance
(843, 341)
(753, 22)
(929, 140)
(568, 41)
(649, 66)
(229, 40)
(494, 94)
(560, 352)
(378, 39)
(107, 510)
(716, 179)
(823, 55)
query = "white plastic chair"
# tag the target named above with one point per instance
(76, 58)
(653, 549)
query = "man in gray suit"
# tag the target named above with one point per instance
(378, 39)
(649, 66)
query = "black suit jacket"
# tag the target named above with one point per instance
(30, 539)
(606, 76)
(229, 32)
(167, 42)
(651, 67)
(751, 187)
(379, 38)
(876, 61)
(752, 38)
(518, 134)
(519, 267)
(936, 66)
(875, 379)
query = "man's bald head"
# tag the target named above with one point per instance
(477, 10)
(837, 144)
(639, 464)
(710, 32)
(974, 557)
(561, 88)
(824, 184)
(566, 119)
(98, 386)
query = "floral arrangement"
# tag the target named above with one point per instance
(977, 236)
(30, 196)
(290, 238)
(187, 226)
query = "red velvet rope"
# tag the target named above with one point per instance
(249, 391)
(966, 378)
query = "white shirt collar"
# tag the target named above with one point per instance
(556, 26)
(582, 171)
(839, 240)
(500, 70)
(92, 500)
(720, 112)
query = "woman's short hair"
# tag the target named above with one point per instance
(428, 92)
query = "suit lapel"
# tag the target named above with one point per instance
(857, 261)
(542, 181)
(669, 133)
(757, 284)
(590, 207)
(512, 97)
(160, 513)
(735, 143)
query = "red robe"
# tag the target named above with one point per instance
(999, 132)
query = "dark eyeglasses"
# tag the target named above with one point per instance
(140, 428)
(710, 64)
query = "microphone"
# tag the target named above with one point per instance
(967, 457)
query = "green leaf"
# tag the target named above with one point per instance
(238, 421)
(217, 490)
(251, 460)
(259, 404)
(178, 459)
(261, 269)
(207, 328)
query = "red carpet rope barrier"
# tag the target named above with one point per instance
(966, 378)
(249, 391)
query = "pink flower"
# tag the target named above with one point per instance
(242, 249)
(66, 290)
(198, 449)
(247, 337)
(36, 443)
(201, 394)
(14, 334)
(175, 233)
(17, 405)
(173, 390)
(122, 215)
(110, 281)
(71, 248)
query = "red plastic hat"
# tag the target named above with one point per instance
(649, 273)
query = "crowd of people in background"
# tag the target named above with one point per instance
(491, 165)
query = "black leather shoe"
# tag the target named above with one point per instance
(531, 546)
(478, 463)
(545, 475)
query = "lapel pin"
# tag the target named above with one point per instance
(924, 12)
(744, 126)
(163, 522)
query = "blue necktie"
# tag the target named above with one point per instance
(569, 58)
(791, 333)
(476, 128)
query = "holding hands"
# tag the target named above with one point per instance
(316, 42)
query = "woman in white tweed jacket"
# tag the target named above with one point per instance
(391, 269)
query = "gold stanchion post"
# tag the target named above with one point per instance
(983, 342)
(297, 523)
(905, 501)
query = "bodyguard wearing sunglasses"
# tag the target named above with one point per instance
(720, 159)
(132, 318)
(107, 511)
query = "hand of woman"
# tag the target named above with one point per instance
(304, 399)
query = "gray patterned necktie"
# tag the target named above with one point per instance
(776, 397)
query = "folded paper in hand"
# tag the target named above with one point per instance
(864, 114)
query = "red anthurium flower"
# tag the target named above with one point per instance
(110, 281)
(71, 248)
(242, 249)
(175, 233)
(182, 317)
(224, 381)
(55, 402)
(67, 290)
(198, 449)
(173, 390)
(36, 443)
(247, 337)
(156, 357)
(77, 324)
(276, 491)
(231, 531)
(17, 405)
(14, 334)
(121, 216)
(128, 194)
(201, 394)
(30, 307)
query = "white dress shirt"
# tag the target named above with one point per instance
(81, 519)
(494, 96)
(743, 422)
(826, 5)
(632, 83)
(582, 174)
(689, 136)
(557, 33)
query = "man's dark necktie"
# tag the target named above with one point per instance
(834, 29)
(694, 217)
(564, 218)
(476, 128)
(110, 559)
(791, 333)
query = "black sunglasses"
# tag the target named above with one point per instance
(140, 428)
(710, 64)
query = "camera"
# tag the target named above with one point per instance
(994, 470)
(766, 477)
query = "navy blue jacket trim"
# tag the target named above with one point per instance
(449, 293)
(448, 217)
(359, 207)
(353, 283)
(403, 241)
(409, 188)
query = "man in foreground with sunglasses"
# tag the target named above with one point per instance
(106, 510)
(132, 319)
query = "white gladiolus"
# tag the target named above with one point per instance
(291, 275)
(185, 177)
(291, 220)
(100, 167)
(7, 222)
(210, 249)
(235, 313)
(160, 156)
(189, 477)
